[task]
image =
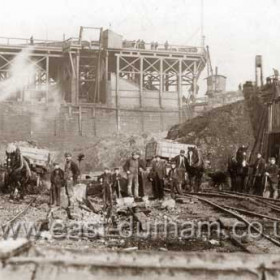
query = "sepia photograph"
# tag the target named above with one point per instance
(140, 140)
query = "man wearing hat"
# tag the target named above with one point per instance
(174, 180)
(272, 179)
(57, 182)
(71, 172)
(157, 174)
(182, 166)
(258, 175)
(132, 167)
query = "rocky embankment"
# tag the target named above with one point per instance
(218, 133)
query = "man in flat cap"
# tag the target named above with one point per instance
(272, 179)
(57, 183)
(182, 165)
(71, 172)
(157, 175)
(133, 167)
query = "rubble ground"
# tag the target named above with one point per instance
(156, 212)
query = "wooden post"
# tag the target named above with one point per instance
(80, 121)
(160, 82)
(117, 95)
(47, 77)
(270, 116)
(70, 111)
(142, 121)
(55, 127)
(94, 120)
(141, 83)
(195, 78)
(106, 78)
(77, 76)
(161, 121)
(179, 88)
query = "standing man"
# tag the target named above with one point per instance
(156, 45)
(133, 167)
(158, 173)
(72, 173)
(116, 183)
(182, 165)
(258, 173)
(57, 183)
(272, 176)
(174, 178)
(106, 181)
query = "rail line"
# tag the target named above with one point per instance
(276, 201)
(234, 213)
(255, 199)
(24, 211)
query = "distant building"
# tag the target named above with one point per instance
(216, 96)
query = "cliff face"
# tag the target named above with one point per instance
(218, 133)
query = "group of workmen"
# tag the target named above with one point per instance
(114, 185)
(265, 179)
(128, 183)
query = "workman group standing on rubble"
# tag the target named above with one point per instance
(126, 181)
(174, 175)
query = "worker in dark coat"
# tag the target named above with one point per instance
(71, 174)
(156, 176)
(258, 173)
(182, 165)
(106, 181)
(174, 180)
(133, 167)
(272, 179)
(57, 183)
(117, 183)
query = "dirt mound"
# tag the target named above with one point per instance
(109, 151)
(218, 132)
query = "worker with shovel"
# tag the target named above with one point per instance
(271, 179)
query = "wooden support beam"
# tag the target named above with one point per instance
(77, 76)
(93, 112)
(161, 122)
(142, 122)
(195, 78)
(179, 89)
(80, 121)
(117, 95)
(55, 127)
(160, 82)
(47, 78)
(270, 117)
(141, 83)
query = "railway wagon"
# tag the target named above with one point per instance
(166, 149)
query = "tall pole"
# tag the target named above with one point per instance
(202, 24)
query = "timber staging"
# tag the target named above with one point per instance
(135, 86)
(33, 262)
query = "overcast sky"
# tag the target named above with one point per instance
(235, 30)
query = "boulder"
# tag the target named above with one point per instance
(168, 204)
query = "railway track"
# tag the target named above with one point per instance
(24, 211)
(241, 215)
(255, 199)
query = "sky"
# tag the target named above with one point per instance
(235, 30)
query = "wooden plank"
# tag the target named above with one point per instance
(10, 248)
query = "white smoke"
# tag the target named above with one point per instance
(21, 76)
(21, 84)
